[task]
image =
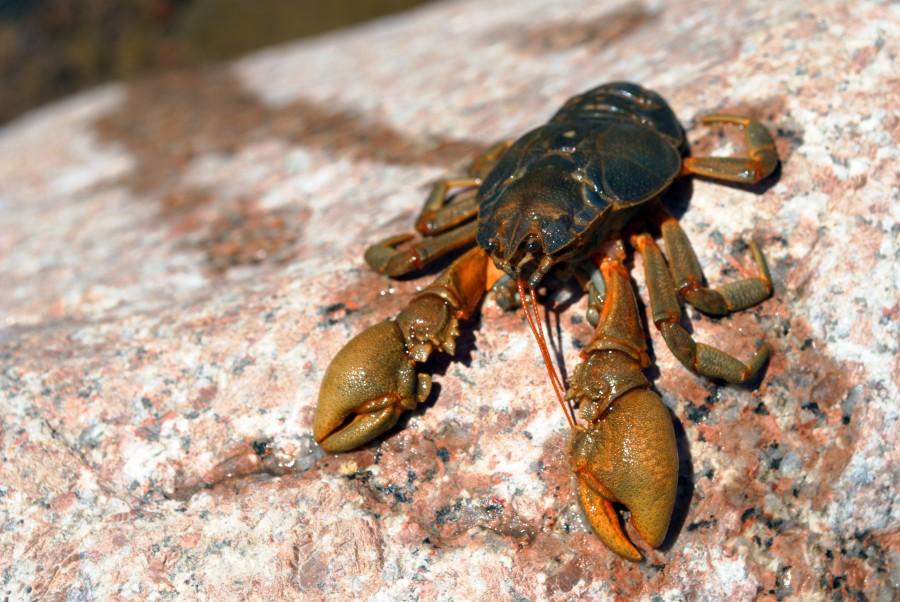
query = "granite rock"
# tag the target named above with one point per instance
(181, 257)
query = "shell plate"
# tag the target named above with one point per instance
(605, 151)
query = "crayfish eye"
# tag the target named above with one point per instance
(532, 245)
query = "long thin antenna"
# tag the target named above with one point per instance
(529, 303)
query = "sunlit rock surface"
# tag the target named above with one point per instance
(181, 257)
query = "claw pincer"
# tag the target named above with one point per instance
(366, 388)
(626, 454)
(372, 380)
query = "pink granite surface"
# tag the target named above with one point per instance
(180, 259)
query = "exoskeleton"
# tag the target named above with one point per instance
(572, 195)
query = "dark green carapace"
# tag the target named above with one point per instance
(563, 187)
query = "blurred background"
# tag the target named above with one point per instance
(50, 48)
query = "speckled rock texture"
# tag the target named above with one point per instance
(180, 258)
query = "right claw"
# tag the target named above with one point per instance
(627, 454)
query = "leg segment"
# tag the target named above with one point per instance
(385, 258)
(372, 380)
(437, 215)
(688, 275)
(760, 146)
(440, 219)
(626, 454)
(700, 358)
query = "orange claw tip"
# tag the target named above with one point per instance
(606, 523)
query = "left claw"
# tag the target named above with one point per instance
(372, 381)
(626, 454)
(366, 388)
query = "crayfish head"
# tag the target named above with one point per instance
(628, 456)
(524, 258)
(526, 224)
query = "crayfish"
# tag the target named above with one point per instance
(570, 196)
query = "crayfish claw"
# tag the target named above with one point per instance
(606, 522)
(628, 456)
(366, 388)
(361, 429)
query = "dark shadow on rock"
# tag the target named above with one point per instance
(596, 33)
(685, 489)
(677, 198)
(167, 120)
(554, 334)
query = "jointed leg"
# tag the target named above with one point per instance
(443, 222)
(437, 215)
(701, 358)
(760, 146)
(385, 258)
(763, 158)
(733, 296)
